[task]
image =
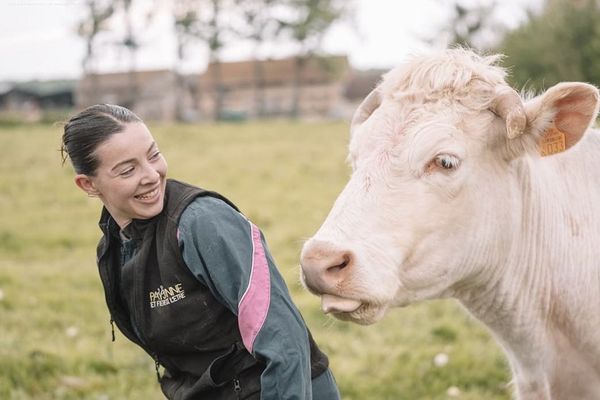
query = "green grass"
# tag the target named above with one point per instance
(56, 343)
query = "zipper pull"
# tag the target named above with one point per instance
(112, 327)
(236, 387)
(156, 365)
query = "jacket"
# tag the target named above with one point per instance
(178, 316)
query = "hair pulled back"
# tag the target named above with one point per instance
(84, 132)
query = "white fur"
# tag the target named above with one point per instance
(513, 236)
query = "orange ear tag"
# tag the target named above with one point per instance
(552, 142)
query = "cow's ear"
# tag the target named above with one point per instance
(560, 117)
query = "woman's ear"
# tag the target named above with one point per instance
(85, 183)
(560, 117)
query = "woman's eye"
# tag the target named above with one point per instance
(127, 172)
(155, 155)
(447, 162)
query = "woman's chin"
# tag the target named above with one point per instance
(147, 210)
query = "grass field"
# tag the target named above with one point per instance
(55, 340)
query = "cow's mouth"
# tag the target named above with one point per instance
(335, 304)
(345, 309)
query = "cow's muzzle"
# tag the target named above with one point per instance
(326, 272)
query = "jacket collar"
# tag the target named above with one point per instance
(134, 230)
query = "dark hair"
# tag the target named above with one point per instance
(84, 132)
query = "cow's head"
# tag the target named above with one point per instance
(433, 198)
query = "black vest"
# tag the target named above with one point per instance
(157, 303)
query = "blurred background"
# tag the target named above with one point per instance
(205, 60)
(252, 99)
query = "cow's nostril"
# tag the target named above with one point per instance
(324, 266)
(335, 269)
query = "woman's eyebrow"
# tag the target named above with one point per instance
(152, 146)
(132, 159)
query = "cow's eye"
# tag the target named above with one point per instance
(447, 162)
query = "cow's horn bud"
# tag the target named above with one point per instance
(508, 105)
(365, 109)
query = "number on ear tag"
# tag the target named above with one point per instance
(552, 142)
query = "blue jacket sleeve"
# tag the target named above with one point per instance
(226, 252)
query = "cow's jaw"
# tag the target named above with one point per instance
(375, 281)
(345, 309)
(343, 283)
(335, 304)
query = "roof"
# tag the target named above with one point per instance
(40, 88)
(121, 78)
(143, 74)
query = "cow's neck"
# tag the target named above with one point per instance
(552, 243)
(529, 300)
(519, 266)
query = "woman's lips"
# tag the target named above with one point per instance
(148, 195)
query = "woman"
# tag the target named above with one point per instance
(186, 276)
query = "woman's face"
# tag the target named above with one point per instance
(131, 176)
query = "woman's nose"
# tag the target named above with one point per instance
(150, 174)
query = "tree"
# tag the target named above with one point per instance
(212, 34)
(185, 13)
(212, 28)
(470, 26)
(307, 21)
(98, 12)
(130, 43)
(208, 23)
(561, 43)
(479, 24)
(259, 26)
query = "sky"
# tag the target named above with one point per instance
(38, 38)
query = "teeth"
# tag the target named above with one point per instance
(147, 195)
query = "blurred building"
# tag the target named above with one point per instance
(358, 85)
(158, 95)
(30, 100)
(316, 88)
(313, 88)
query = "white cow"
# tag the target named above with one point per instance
(450, 197)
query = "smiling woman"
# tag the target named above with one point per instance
(187, 277)
(131, 176)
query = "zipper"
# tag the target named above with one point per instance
(237, 388)
(107, 279)
(136, 336)
(135, 321)
(116, 317)
(138, 308)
